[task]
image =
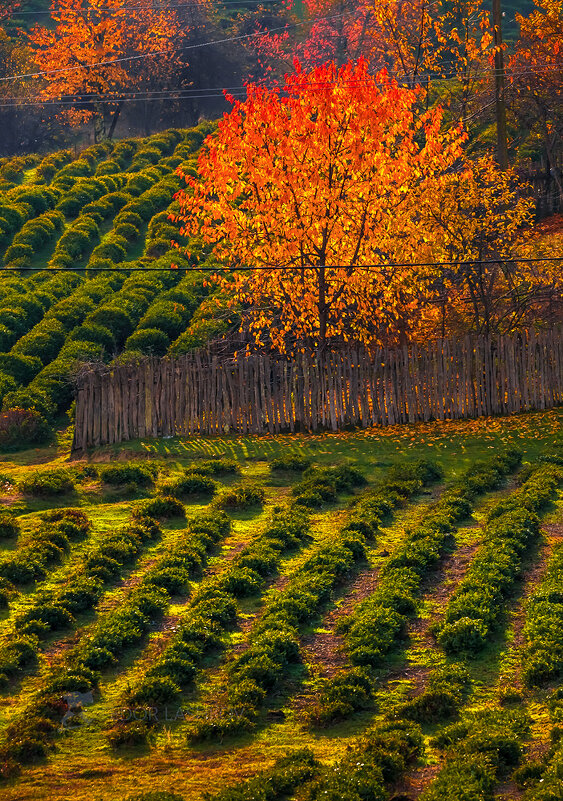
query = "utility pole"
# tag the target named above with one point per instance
(500, 102)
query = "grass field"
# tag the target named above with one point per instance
(216, 741)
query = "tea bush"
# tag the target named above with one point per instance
(245, 496)
(128, 473)
(378, 623)
(473, 610)
(48, 483)
(543, 649)
(290, 463)
(188, 485)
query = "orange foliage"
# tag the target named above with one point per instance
(305, 184)
(100, 48)
(536, 71)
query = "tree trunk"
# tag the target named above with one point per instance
(323, 310)
(114, 119)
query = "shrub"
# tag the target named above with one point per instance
(21, 428)
(162, 508)
(48, 483)
(93, 332)
(115, 319)
(9, 526)
(128, 473)
(114, 248)
(21, 367)
(349, 692)
(214, 467)
(149, 341)
(131, 734)
(290, 463)
(476, 605)
(190, 484)
(242, 497)
(155, 690)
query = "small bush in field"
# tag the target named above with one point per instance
(9, 526)
(130, 734)
(48, 483)
(190, 484)
(162, 508)
(214, 467)
(290, 463)
(128, 474)
(20, 428)
(243, 497)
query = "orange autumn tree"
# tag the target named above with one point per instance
(536, 79)
(98, 50)
(317, 187)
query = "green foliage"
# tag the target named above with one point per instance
(190, 484)
(476, 605)
(322, 484)
(378, 623)
(149, 341)
(21, 428)
(245, 496)
(162, 508)
(290, 463)
(48, 483)
(543, 650)
(9, 526)
(128, 473)
(478, 748)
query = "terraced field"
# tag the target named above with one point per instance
(362, 616)
(64, 221)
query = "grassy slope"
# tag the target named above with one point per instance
(84, 767)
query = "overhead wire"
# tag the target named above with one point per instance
(298, 268)
(139, 56)
(214, 92)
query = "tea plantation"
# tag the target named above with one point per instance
(64, 221)
(372, 615)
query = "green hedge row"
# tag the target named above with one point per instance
(211, 320)
(212, 610)
(51, 164)
(478, 750)
(12, 170)
(20, 312)
(44, 547)
(17, 208)
(478, 602)
(55, 353)
(367, 772)
(542, 777)
(274, 639)
(120, 157)
(56, 609)
(34, 235)
(543, 628)
(90, 330)
(75, 242)
(29, 735)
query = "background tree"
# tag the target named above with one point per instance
(98, 51)
(480, 217)
(536, 75)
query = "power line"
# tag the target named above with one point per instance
(206, 92)
(254, 35)
(292, 268)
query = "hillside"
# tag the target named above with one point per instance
(83, 215)
(246, 610)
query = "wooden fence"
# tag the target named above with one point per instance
(202, 394)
